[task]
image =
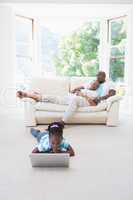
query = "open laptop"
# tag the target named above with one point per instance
(49, 159)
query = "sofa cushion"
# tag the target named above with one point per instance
(79, 117)
(50, 86)
(62, 108)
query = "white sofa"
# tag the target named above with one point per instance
(44, 113)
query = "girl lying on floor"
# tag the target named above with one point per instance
(51, 140)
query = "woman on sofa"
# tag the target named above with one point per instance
(78, 99)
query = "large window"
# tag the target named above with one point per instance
(117, 42)
(69, 47)
(24, 49)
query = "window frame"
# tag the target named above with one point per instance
(30, 44)
(110, 46)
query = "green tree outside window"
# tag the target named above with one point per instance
(78, 52)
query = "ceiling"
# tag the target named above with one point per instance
(71, 1)
(81, 10)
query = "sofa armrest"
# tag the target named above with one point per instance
(111, 100)
(113, 112)
(29, 112)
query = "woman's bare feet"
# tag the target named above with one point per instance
(33, 95)
(21, 94)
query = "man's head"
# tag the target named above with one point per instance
(55, 133)
(101, 76)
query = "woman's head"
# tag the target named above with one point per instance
(94, 85)
(55, 133)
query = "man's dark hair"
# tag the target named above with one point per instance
(55, 128)
(101, 76)
(101, 73)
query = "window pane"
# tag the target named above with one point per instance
(24, 69)
(117, 69)
(117, 48)
(118, 51)
(118, 31)
(24, 50)
(23, 29)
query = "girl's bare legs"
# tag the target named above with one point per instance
(33, 95)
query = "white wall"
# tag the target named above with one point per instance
(7, 50)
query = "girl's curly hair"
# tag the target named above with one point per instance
(55, 128)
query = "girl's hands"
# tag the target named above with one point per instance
(56, 149)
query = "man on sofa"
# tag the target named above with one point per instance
(101, 91)
(96, 91)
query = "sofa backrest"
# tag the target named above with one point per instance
(50, 86)
(79, 81)
(57, 85)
